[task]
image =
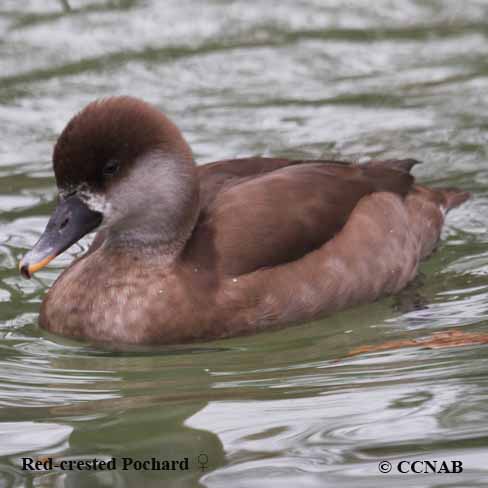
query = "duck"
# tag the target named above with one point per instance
(185, 253)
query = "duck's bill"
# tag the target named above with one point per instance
(70, 221)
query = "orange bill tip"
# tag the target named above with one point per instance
(27, 270)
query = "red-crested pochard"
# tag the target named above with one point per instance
(188, 253)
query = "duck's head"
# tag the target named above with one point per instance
(120, 165)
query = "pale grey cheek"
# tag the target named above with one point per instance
(97, 203)
(115, 208)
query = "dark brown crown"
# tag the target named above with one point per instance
(117, 128)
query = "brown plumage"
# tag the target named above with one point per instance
(114, 128)
(302, 204)
(191, 253)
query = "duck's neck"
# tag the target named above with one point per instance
(144, 240)
(160, 210)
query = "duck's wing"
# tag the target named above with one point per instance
(276, 211)
(221, 175)
(376, 253)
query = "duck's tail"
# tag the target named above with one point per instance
(448, 198)
(453, 197)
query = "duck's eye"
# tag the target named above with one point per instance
(111, 167)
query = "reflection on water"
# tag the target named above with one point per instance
(312, 79)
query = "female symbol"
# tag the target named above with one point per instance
(202, 461)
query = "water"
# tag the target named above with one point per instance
(391, 78)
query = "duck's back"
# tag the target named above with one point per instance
(263, 212)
